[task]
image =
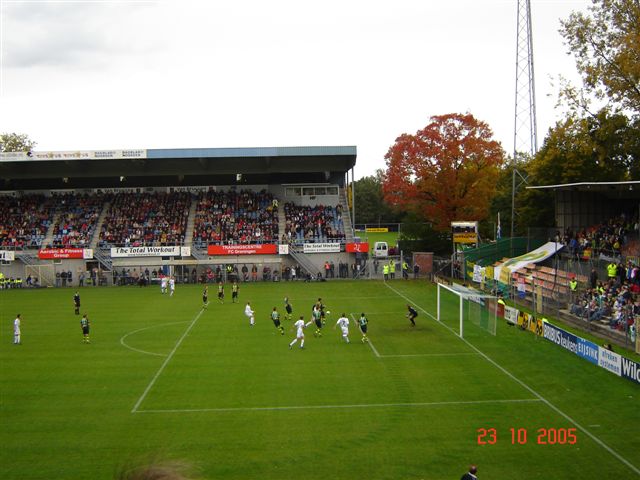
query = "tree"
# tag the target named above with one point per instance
(603, 147)
(606, 46)
(370, 204)
(15, 142)
(445, 172)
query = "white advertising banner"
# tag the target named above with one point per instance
(185, 251)
(90, 154)
(7, 255)
(123, 252)
(283, 249)
(478, 273)
(610, 360)
(321, 248)
(511, 315)
(503, 272)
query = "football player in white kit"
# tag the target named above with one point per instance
(300, 326)
(250, 314)
(343, 321)
(172, 286)
(16, 330)
(163, 284)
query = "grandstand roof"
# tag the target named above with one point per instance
(629, 189)
(180, 166)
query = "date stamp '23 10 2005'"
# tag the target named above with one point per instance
(519, 436)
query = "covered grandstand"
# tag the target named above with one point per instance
(106, 213)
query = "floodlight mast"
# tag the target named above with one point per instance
(525, 135)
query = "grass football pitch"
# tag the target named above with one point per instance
(165, 379)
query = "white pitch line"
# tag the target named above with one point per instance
(165, 363)
(368, 341)
(527, 387)
(375, 351)
(122, 342)
(330, 407)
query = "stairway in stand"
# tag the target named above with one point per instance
(191, 221)
(96, 231)
(346, 217)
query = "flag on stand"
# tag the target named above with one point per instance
(498, 229)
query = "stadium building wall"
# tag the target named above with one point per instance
(579, 209)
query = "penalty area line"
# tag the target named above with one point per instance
(333, 407)
(584, 430)
(165, 363)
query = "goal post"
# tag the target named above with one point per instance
(466, 310)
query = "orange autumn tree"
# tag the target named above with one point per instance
(445, 172)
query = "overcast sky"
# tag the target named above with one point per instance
(256, 73)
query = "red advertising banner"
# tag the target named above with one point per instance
(56, 253)
(263, 249)
(357, 247)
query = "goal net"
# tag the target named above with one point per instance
(467, 311)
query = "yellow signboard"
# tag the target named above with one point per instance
(377, 229)
(465, 237)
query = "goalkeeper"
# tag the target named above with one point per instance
(411, 315)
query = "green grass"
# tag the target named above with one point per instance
(236, 403)
(372, 237)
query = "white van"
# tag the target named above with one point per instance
(380, 249)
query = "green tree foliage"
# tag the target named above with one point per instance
(419, 236)
(501, 203)
(606, 46)
(371, 207)
(16, 142)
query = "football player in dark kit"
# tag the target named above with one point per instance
(205, 297)
(321, 307)
(220, 292)
(84, 324)
(76, 302)
(317, 318)
(275, 316)
(234, 292)
(411, 315)
(288, 308)
(363, 322)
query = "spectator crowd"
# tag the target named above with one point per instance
(76, 224)
(232, 218)
(616, 300)
(607, 238)
(321, 223)
(24, 220)
(150, 219)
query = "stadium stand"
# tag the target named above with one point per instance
(306, 224)
(232, 217)
(611, 303)
(151, 219)
(608, 238)
(77, 220)
(24, 220)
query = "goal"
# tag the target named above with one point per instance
(466, 311)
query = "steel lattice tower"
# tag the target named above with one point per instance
(525, 136)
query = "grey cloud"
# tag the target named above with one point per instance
(73, 34)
